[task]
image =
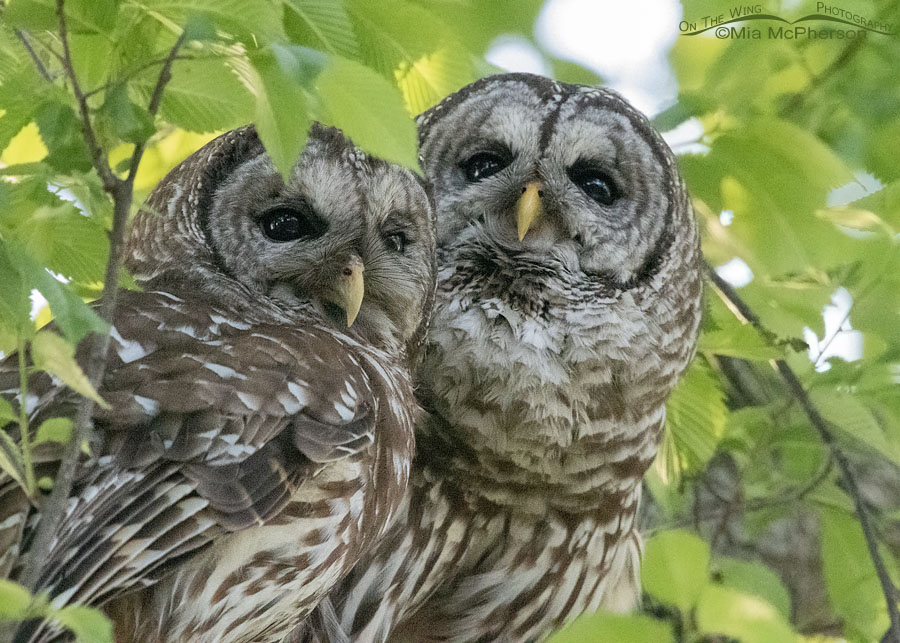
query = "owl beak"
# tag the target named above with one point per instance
(350, 288)
(529, 208)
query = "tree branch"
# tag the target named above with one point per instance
(98, 157)
(137, 70)
(121, 191)
(165, 75)
(795, 388)
(30, 486)
(31, 52)
(842, 59)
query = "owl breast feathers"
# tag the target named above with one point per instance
(568, 304)
(261, 413)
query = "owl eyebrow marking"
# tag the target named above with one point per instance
(556, 100)
(217, 258)
(396, 221)
(244, 146)
(481, 145)
(296, 203)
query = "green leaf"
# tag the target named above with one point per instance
(881, 155)
(884, 204)
(90, 16)
(140, 38)
(89, 625)
(93, 56)
(14, 304)
(688, 105)
(773, 176)
(199, 27)
(31, 14)
(675, 568)
(857, 219)
(850, 576)
(281, 117)
(409, 45)
(739, 340)
(755, 579)
(620, 628)
(60, 130)
(800, 452)
(72, 315)
(7, 413)
(259, 21)
(12, 53)
(567, 71)
(66, 241)
(54, 430)
(791, 303)
(124, 119)
(854, 420)
(321, 24)
(53, 354)
(748, 618)
(21, 95)
(14, 601)
(369, 109)
(204, 95)
(829, 496)
(442, 70)
(695, 422)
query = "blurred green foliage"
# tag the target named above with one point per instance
(780, 125)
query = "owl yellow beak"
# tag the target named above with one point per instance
(350, 288)
(529, 208)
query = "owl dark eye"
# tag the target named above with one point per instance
(397, 241)
(596, 184)
(482, 165)
(284, 224)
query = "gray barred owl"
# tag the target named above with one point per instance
(255, 446)
(568, 304)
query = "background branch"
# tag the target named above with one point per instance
(137, 70)
(98, 156)
(23, 38)
(121, 191)
(795, 388)
(840, 61)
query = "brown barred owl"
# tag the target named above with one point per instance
(568, 304)
(261, 422)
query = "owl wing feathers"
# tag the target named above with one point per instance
(211, 428)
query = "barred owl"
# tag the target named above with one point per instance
(260, 427)
(568, 304)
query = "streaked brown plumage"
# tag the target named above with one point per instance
(546, 370)
(255, 446)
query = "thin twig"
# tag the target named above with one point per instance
(50, 50)
(21, 35)
(137, 70)
(842, 59)
(122, 192)
(30, 486)
(821, 348)
(165, 75)
(795, 388)
(98, 157)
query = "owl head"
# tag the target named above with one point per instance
(560, 175)
(348, 239)
(569, 267)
